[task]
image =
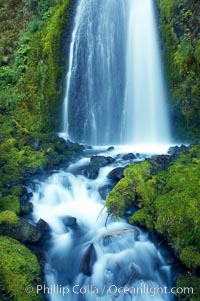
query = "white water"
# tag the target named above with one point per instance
(125, 257)
(115, 88)
(145, 111)
(95, 79)
(114, 94)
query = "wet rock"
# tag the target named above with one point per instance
(69, 221)
(21, 231)
(162, 161)
(110, 148)
(175, 150)
(43, 226)
(129, 156)
(26, 206)
(88, 171)
(45, 231)
(101, 161)
(104, 191)
(88, 260)
(116, 174)
(91, 171)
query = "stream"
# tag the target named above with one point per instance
(91, 257)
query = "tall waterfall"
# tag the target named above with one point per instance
(145, 114)
(115, 89)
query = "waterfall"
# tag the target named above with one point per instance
(145, 113)
(95, 80)
(115, 88)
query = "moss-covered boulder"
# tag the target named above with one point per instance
(168, 198)
(135, 189)
(19, 272)
(11, 225)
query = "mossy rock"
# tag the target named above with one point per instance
(19, 269)
(11, 225)
(135, 189)
(8, 218)
(168, 201)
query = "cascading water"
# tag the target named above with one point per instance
(86, 260)
(96, 76)
(114, 94)
(145, 114)
(115, 90)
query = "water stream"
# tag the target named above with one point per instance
(91, 260)
(114, 95)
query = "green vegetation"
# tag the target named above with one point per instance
(31, 63)
(135, 189)
(8, 217)
(19, 269)
(31, 78)
(32, 68)
(179, 26)
(189, 281)
(168, 202)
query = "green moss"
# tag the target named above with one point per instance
(179, 23)
(191, 282)
(19, 269)
(136, 188)
(169, 199)
(190, 257)
(143, 217)
(11, 203)
(8, 217)
(32, 73)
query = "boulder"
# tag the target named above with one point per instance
(43, 226)
(101, 161)
(69, 221)
(175, 150)
(104, 191)
(88, 171)
(88, 260)
(162, 161)
(110, 148)
(21, 231)
(116, 174)
(91, 171)
(129, 156)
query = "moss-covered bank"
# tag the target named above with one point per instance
(32, 68)
(167, 192)
(19, 272)
(32, 64)
(180, 33)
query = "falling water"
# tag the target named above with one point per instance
(115, 89)
(145, 114)
(95, 80)
(114, 94)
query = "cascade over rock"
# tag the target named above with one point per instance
(115, 89)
